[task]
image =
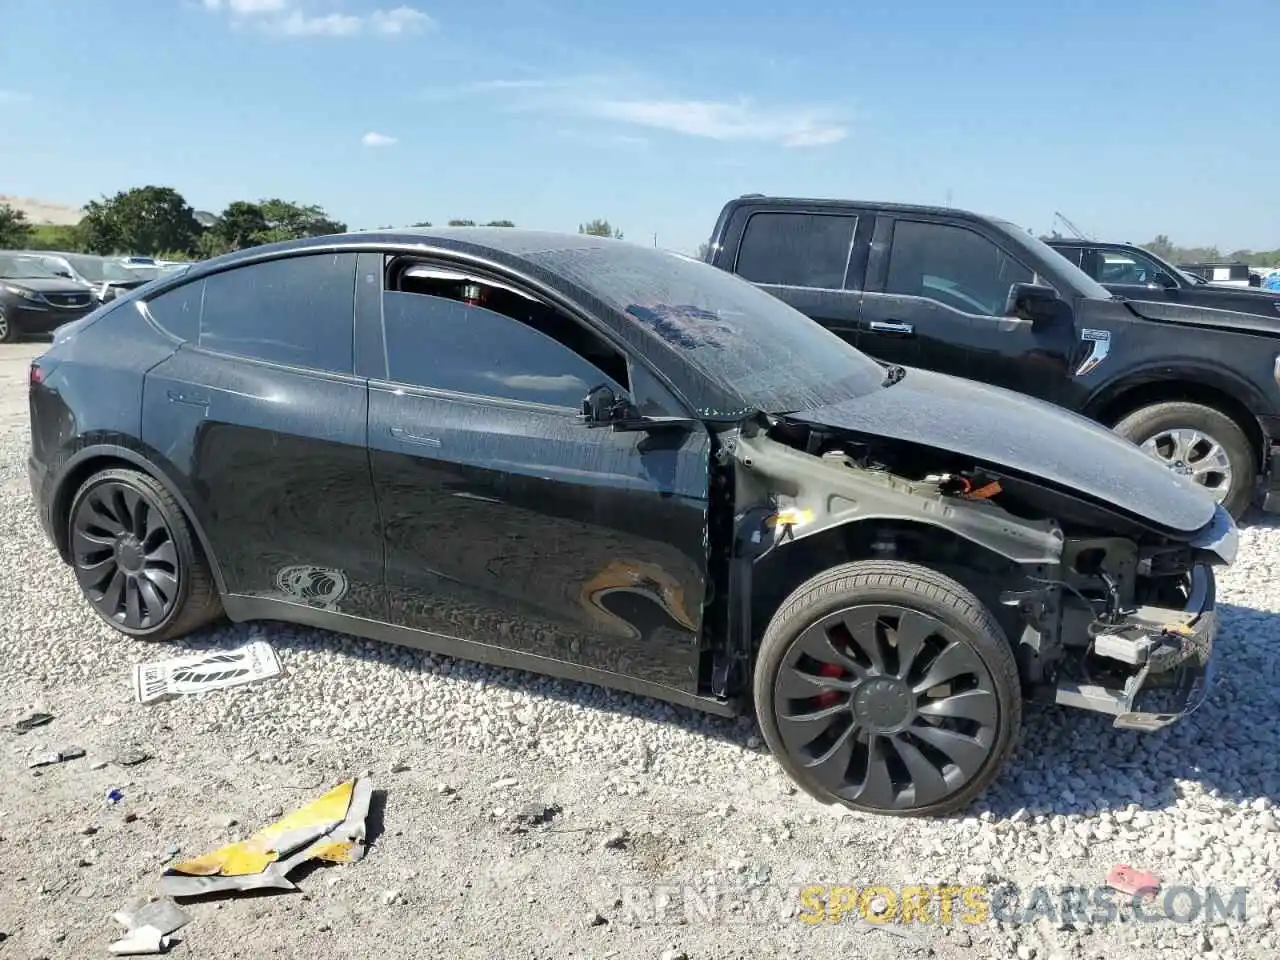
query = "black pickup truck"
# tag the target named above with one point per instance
(1130, 271)
(948, 290)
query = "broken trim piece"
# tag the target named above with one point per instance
(330, 828)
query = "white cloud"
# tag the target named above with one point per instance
(372, 139)
(292, 18)
(742, 120)
(720, 120)
(400, 20)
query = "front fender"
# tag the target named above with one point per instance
(813, 495)
(1252, 396)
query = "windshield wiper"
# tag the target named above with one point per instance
(892, 374)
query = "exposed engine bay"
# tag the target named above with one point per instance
(1098, 606)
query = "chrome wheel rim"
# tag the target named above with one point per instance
(886, 707)
(1193, 454)
(4, 326)
(124, 556)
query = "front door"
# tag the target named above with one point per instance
(509, 522)
(936, 298)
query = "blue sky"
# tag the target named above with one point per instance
(1133, 118)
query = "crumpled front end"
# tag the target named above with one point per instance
(1163, 658)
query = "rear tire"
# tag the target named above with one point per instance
(136, 557)
(848, 681)
(1193, 438)
(8, 329)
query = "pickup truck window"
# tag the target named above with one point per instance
(953, 266)
(796, 249)
(1123, 266)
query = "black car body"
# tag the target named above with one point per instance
(948, 290)
(1137, 274)
(586, 458)
(34, 299)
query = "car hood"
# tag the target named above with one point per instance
(1198, 316)
(46, 284)
(1021, 435)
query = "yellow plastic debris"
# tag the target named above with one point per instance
(329, 828)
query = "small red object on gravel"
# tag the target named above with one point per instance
(1136, 883)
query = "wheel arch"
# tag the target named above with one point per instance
(1208, 387)
(90, 460)
(977, 566)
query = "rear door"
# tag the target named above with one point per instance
(936, 296)
(260, 409)
(812, 259)
(508, 522)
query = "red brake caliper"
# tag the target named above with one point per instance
(828, 697)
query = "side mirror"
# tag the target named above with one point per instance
(602, 408)
(1034, 302)
(63, 273)
(1163, 281)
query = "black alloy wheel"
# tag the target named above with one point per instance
(135, 558)
(888, 688)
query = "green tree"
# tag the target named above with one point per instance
(462, 223)
(499, 223)
(421, 223)
(144, 220)
(240, 225)
(704, 248)
(55, 236)
(600, 228)
(15, 231)
(293, 221)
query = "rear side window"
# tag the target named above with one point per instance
(297, 311)
(465, 335)
(796, 249)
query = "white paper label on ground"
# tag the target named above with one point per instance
(205, 671)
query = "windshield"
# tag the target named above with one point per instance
(99, 269)
(746, 341)
(1064, 270)
(28, 268)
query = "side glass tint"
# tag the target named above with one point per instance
(796, 249)
(953, 266)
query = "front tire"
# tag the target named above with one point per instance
(888, 688)
(136, 557)
(8, 329)
(1201, 443)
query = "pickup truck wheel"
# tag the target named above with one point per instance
(1201, 443)
(888, 688)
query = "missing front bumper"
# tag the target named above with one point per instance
(1179, 667)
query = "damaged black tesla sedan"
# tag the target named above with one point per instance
(613, 464)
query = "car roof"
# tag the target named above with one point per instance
(755, 199)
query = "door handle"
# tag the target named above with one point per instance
(400, 433)
(176, 396)
(891, 326)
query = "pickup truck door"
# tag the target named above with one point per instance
(935, 298)
(813, 260)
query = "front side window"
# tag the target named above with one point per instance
(1115, 266)
(953, 266)
(796, 249)
(446, 330)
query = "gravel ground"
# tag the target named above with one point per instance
(635, 795)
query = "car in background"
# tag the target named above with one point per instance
(588, 458)
(1137, 274)
(36, 299)
(1198, 388)
(106, 276)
